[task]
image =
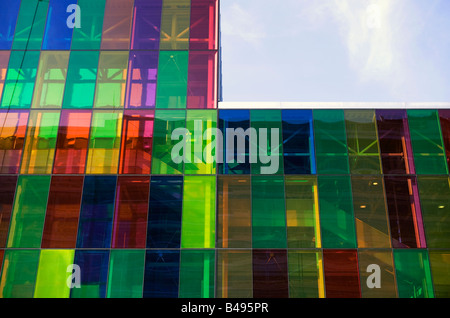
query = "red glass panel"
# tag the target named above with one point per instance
(72, 142)
(444, 115)
(270, 275)
(405, 215)
(204, 25)
(130, 217)
(341, 274)
(202, 80)
(395, 142)
(13, 126)
(7, 189)
(63, 210)
(137, 140)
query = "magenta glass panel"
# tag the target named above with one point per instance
(63, 210)
(395, 142)
(405, 216)
(444, 115)
(204, 25)
(341, 273)
(13, 126)
(146, 24)
(130, 217)
(72, 142)
(270, 274)
(137, 142)
(7, 190)
(202, 79)
(141, 83)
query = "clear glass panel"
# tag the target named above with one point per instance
(234, 218)
(369, 204)
(234, 274)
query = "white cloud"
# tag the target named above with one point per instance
(241, 23)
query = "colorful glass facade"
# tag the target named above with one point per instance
(87, 176)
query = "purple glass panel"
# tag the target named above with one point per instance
(395, 142)
(146, 24)
(405, 216)
(141, 83)
(270, 274)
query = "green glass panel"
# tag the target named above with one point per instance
(440, 267)
(197, 274)
(412, 269)
(305, 274)
(40, 144)
(234, 274)
(19, 83)
(302, 212)
(51, 79)
(384, 259)
(331, 141)
(89, 35)
(268, 212)
(171, 86)
(19, 273)
(202, 126)
(369, 204)
(27, 220)
(434, 195)
(426, 140)
(166, 121)
(104, 143)
(362, 140)
(28, 36)
(111, 80)
(199, 205)
(175, 23)
(81, 78)
(336, 212)
(52, 275)
(126, 274)
(267, 123)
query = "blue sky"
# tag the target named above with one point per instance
(336, 50)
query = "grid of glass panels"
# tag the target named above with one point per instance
(87, 175)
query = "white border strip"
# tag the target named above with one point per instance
(331, 105)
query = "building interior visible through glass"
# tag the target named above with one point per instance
(87, 178)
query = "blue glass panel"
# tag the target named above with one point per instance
(164, 217)
(161, 274)
(9, 11)
(97, 210)
(234, 119)
(298, 142)
(94, 274)
(57, 35)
